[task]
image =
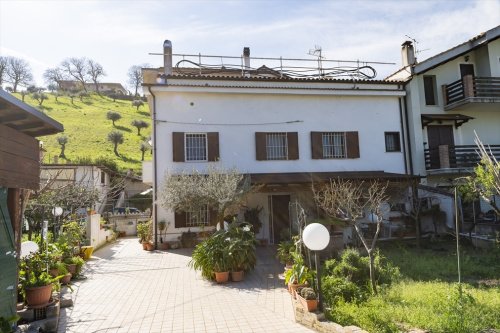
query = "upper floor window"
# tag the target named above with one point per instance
(195, 147)
(392, 142)
(329, 145)
(430, 89)
(276, 146)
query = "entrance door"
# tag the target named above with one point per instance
(280, 218)
(437, 136)
(466, 69)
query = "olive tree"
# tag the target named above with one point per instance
(40, 97)
(137, 103)
(113, 116)
(348, 201)
(116, 138)
(222, 189)
(139, 124)
(62, 141)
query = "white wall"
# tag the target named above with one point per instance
(97, 236)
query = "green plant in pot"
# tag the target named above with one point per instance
(308, 298)
(284, 252)
(163, 227)
(241, 249)
(144, 232)
(252, 217)
(36, 283)
(298, 275)
(211, 257)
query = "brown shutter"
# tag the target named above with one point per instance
(180, 219)
(352, 144)
(260, 146)
(293, 145)
(213, 146)
(178, 146)
(317, 145)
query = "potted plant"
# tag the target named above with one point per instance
(241, 250)
(284, 253)
(252, 217)
(308, 298)
(144, 233)
(163, 227)
(297, 275)
(35, 281)
(59, 269)
(212, 257)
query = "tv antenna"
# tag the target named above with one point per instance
(415, 42)
(317, 52)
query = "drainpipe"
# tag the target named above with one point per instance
(405, 102)
(403, 135)
(155, 181)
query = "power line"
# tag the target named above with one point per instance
(230, 124)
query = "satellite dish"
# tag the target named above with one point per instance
(28, 248)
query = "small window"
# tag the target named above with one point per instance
(392, 142)
(103, 177)
(276, 146)
(334, 145)
(430, 89)
(196, 146)
(198, 218)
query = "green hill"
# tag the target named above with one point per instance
(87, 129)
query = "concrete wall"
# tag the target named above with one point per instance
(97, 236)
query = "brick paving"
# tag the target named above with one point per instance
(131, 290)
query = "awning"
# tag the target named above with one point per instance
(458, 119)
(318, 177)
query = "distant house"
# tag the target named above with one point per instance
(117, 88)
(20, 124)
(449, 97)
(284, 132)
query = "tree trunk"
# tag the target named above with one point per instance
(115, 150)
(14, 87)
(138, 131)
(372, 271)
(113, 123)
(142, 158)
(63, 147)
(136, 87)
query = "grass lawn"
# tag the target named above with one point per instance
(427, 297)
(87, 128)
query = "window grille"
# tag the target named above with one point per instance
(196, 146)
(197, 218)
(276, 146)
(334, 145)
(392, 141)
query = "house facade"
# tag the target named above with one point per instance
(284, 132)
(103, 86)
(20, 124)
(450, 97)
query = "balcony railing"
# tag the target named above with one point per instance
(471, 86)
(464, 156)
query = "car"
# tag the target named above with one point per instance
(126, 210)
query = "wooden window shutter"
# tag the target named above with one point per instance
(178, 146)
(317, 145)
(213, 146)
(180, 219)
(293, 145)
(352, 144)
(260, 146)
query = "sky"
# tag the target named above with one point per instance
(122, 33)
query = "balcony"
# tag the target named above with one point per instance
(471, 91)
(456, 157)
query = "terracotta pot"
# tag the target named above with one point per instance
(292, 288)
(66, 278)
(144, 245)
(221, 277)
(36, 296)
(149, 247)
(71, 268)
(53, 272)
(237, 276)
(308, 304)
(163, 246)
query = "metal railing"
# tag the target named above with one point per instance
(462, 156)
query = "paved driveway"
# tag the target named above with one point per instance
(131, 290)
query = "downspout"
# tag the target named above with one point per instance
(155, 178)
(405, 102)
(403, 134)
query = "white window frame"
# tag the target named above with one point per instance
(270, 150)
(191, 220)
(329, 150)
(205, 136)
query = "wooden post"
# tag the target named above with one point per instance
(445, 94)
(468, 81)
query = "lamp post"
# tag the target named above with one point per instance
(56, 211)
(316, 238)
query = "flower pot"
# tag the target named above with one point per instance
(66, 278)
(308, 304)
(71, 268)
(163, 246)
(237, 276)
(53, 272)
(36, 296)
(221, 277)
(292, 288)
(144, 245)
(149, 247)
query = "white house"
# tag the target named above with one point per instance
(284, 131)
(449, 97)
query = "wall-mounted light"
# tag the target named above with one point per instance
(466, 58)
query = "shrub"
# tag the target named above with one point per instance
(308, 293)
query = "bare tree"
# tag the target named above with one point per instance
(222, 189)
(3, 69)
(77, 69)
(95, 71)
(18, 72)
(62, 141)
(135, 78)
(348, 201)
(116, 138)
(54, 76)
(113, 116)
(139, 124)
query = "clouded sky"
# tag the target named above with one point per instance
(121, 33)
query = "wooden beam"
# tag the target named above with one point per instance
(26, 126)
(12, 117)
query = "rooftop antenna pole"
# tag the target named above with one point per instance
(317, 52)
(415, 42)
